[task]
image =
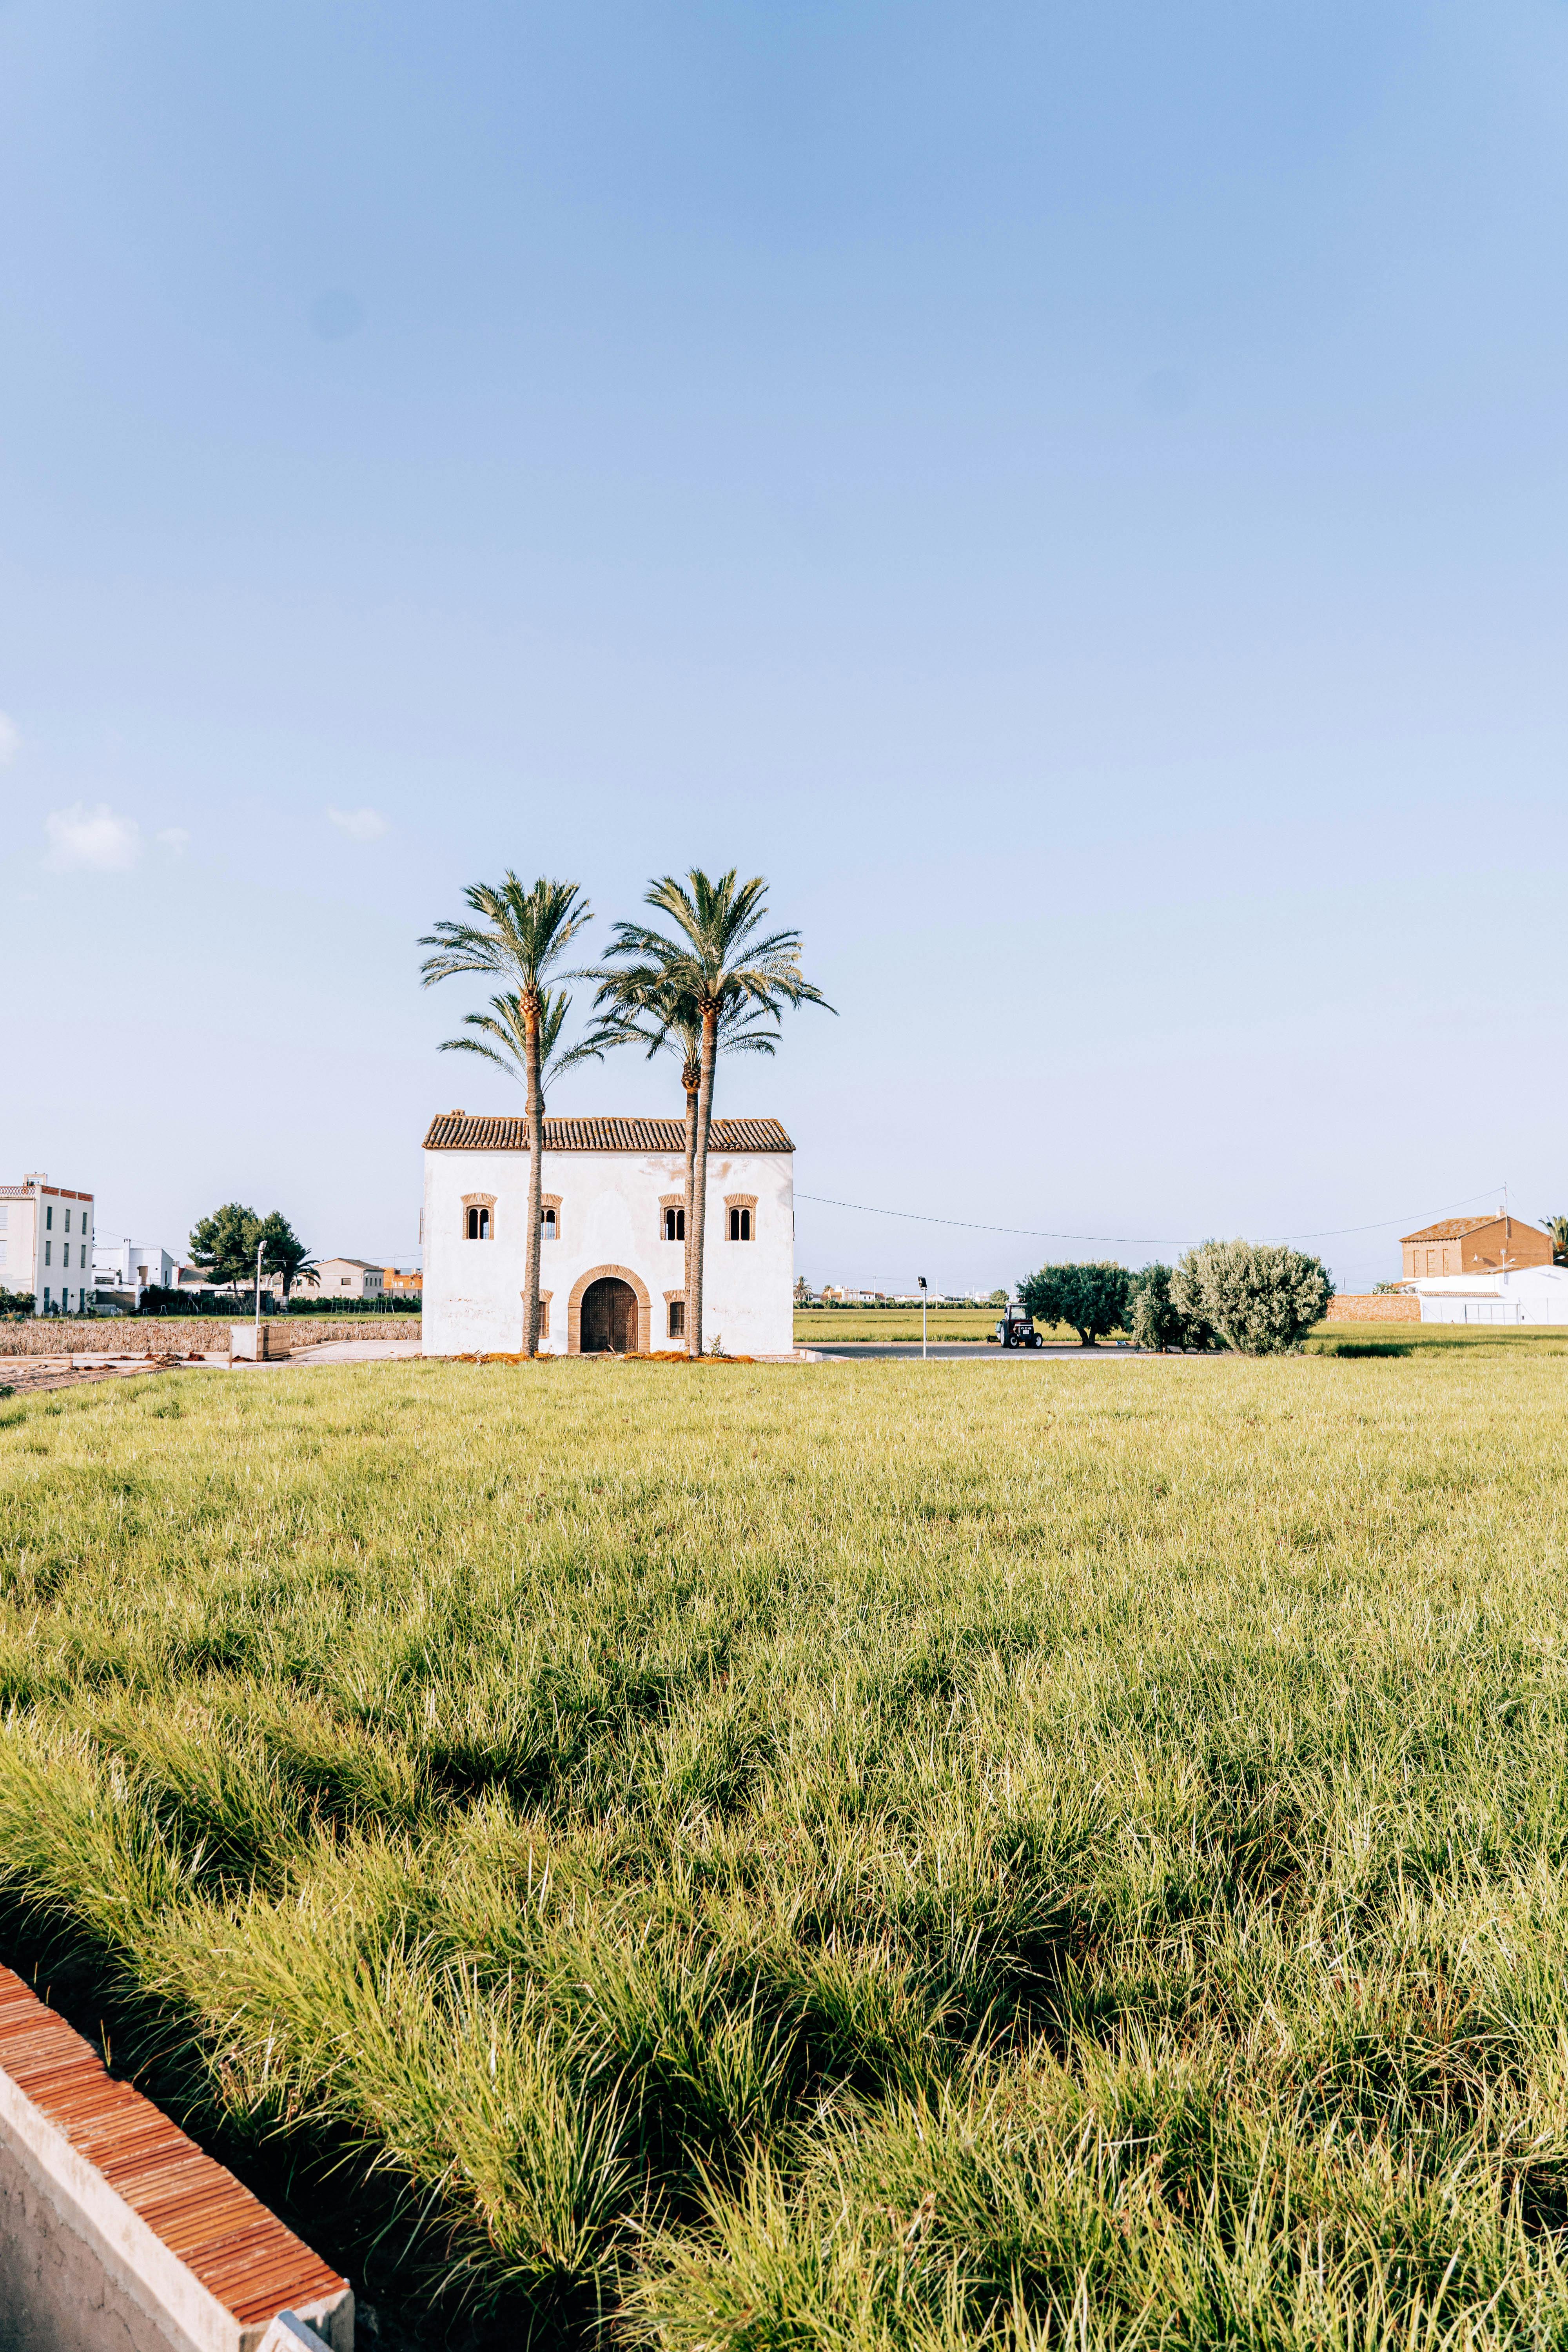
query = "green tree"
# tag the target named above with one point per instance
(1153, 1318)
(662, 1018)
(715, 959)
(1557, 1229)
(283, 1252)
(997, 1298)
(1092, 1299)
(504, 1039)
(223, 1244)
(1261, 1298)
(521, 935)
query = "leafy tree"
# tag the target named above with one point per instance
(1557, 1229)
(284, 1253)
(16, 1302)
(1092, 1299)
(662, 1017)
(1154, 1320)
(223, 1244)
(1261, 1298)
(802, 1291)
(715, 959)
(997, 1298)
(522, 935)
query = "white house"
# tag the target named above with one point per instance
(45, 1244)
(131, 1265)
(1526, 1293)
(612, 1258)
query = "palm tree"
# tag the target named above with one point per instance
(505, 1026)
(522, 934)
(716, 959)
(675, 1023)
(1557, 1231)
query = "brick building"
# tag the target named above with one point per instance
(1473, 1245)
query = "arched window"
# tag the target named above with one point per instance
(740, 1224)
(675, 1225)
(548, 1221)
(479, 1224)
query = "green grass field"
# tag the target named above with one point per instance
(813, 1324)
(862, 1856)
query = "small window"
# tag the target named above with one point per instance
(550, 1228)
(48, 1248)
(66, 1252)
(479, 1224)
(67, 1221)
(675, 1225)
(677, 1309)
(48, 1220)
(740, 1224)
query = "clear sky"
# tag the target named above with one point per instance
(1073, 494)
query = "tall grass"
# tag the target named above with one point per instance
(865, 1856)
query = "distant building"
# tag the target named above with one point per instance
(45, 1244)
(1473, 1245)
(342, 1278)
(402, 1282)
(128, 1268)
(1529, 1294)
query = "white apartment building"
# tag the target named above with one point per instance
(612, 1259)
(45, 1244)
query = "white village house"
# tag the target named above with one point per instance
(612, 1259)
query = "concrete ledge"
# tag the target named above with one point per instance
(117, 2233)
(181, 1335)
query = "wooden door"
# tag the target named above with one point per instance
(609, 1317)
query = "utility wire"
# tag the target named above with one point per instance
(1142, 1241)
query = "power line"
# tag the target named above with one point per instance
(1141, 1241)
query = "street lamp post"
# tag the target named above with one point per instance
(259, 1247)
(922, 1280)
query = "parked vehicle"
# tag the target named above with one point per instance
(1016, 1329)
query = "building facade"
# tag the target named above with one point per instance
(613, 1251)
(128, 1268)
(339, 1278)
(45, 1244)
(1531, 1294)
(1472, 1245)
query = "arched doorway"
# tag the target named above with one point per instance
(609, 1317)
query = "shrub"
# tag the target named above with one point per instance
(16, 1302)
(1261, 1298)
(1155, 1320)
(1091, 1298)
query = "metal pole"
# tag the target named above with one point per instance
(922, 1280)
(259, 1247)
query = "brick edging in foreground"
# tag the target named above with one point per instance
(110, 2213)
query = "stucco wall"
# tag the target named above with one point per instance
(609, 1221)
(1373, 1306)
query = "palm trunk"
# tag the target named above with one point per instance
(692, 1079)
(696, 1224)
(535, 1174)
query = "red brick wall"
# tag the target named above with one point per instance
(1373, 1306)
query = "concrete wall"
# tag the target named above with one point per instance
(608, 1221)
(184, 1335)
(1373, 1306)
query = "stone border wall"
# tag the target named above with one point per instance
(186, 1335)
(1373, 1306)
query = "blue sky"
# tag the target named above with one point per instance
(1074, 495)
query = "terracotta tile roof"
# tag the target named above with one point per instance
(454, 1130)
(1452, 1229)
(241, 2254)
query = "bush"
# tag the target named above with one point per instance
(16, 1302)
(1261, 1298)
(1155, 1320)
(1091, 1298)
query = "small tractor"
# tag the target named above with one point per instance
(1017, 1328)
